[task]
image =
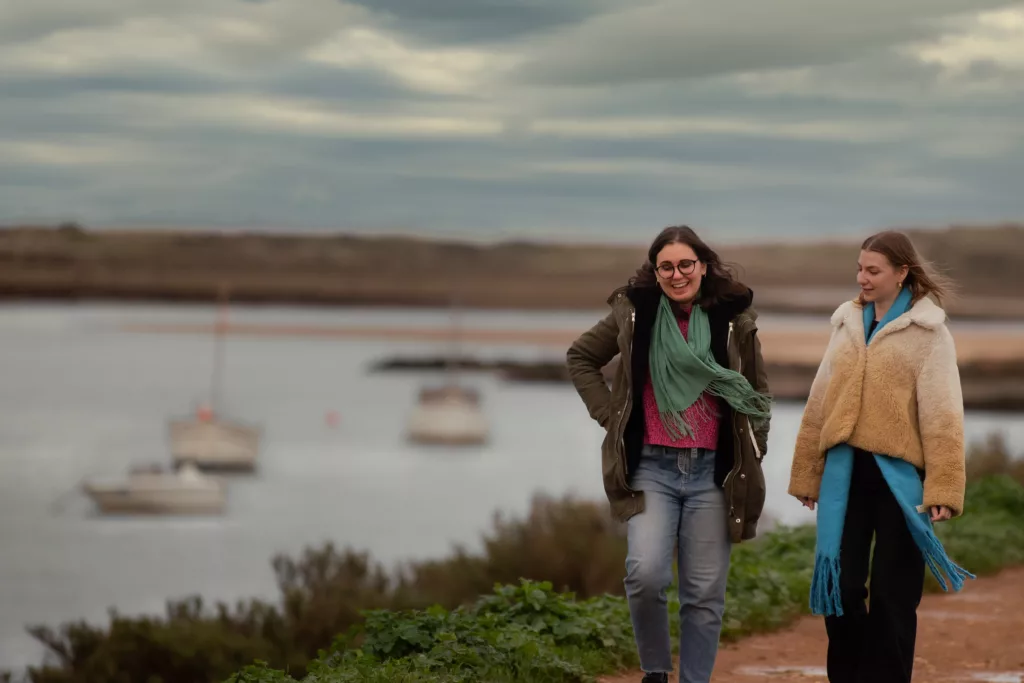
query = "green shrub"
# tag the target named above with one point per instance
(769, 581)
(519, 633)
(989, 536)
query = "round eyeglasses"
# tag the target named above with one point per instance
(667, 270)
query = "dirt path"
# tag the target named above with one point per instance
(975, 636)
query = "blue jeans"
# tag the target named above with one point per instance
(682, 506)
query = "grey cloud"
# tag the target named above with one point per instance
(770, 156)
(986, 69)
(26, 20)
(288, 32)
(21, 178)
(285, 29)
(357, 89)
(481, 21)
(49, 87)
(882, 82)
(996, 76)
(673, 40)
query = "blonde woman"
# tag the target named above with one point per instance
(880, 453)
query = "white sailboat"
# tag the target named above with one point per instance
(450, 414)
(186, 491)
(208, 440)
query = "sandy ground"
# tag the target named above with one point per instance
(974, 636)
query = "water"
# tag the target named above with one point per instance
(78, 398)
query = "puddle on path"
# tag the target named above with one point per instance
(966, 616)
(810, 671)
(999, 677)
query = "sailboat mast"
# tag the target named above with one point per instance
(217, 373)
(454, 353)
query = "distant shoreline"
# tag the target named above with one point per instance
(781, 346)
(767, 300)
(73, 264)
(991, 361)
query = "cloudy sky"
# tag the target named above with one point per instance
(591, 119)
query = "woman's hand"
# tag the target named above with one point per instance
(940, 513)
(808, 503)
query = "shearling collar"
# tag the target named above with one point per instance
(925, 313)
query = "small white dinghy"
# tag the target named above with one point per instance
(154, 491)
(448, 415)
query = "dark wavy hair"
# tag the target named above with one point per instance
(719, 283)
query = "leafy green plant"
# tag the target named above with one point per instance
(768, 582)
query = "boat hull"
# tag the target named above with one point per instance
(199, 502)
(214, 445)
(448, 424)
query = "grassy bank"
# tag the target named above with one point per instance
(556, 615)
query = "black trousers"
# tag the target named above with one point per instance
(875, 643)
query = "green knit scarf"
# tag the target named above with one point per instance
(682, 369)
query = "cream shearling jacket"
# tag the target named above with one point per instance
(899, 396)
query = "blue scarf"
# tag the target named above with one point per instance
(905, 484)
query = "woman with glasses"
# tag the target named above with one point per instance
(687, 419)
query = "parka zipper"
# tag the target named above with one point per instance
(753, 441)
(750, 431)
(725, 482)
(625, 406)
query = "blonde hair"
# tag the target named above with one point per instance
(922, 277)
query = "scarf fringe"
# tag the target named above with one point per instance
(678, 428)
(939, 563)
(826, 598)
(754, 405)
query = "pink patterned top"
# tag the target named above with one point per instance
(703, 418)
